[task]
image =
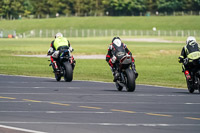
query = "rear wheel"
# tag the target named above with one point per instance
(68, 72)
(118, 86)
(130, 80)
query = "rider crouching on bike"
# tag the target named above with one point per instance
(59, 43)
(189, 49)
(111, 59)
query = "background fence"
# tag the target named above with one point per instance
(7, 33)
(107, 33)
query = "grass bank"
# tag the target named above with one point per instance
(126, 23)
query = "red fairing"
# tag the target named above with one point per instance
(110, 63)
(133, 60)
(108, 56)
(71, 60)
(51, 59)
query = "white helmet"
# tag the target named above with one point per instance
(191, 40)
(117, 42)
(58, 35)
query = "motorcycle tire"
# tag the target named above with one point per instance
(190, 87)
(130, 80)
(68, 72)
(118, 86)
(58, 77)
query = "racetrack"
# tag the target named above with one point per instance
(40, 105)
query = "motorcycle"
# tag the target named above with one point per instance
(126, 72)
(193, 77)
(64, 64)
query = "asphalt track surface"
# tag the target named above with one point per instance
(41, 105)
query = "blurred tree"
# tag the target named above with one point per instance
(66, 7)
(169, 5)
(196, 5)
(136, 6)
(41, 7)
(28, 7)
(85, 7)
(11, 8)
(151, 5)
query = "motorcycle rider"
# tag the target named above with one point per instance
(59, 43)
(111, 59)
(190, 47)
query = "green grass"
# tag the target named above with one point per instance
(127, 23)
(156, 63)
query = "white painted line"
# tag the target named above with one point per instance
(104, 124)
(192, 103)
(20, 129)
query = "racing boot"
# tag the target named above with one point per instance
(55, 66)
(115, 74)
(134, 70)
(136, 74)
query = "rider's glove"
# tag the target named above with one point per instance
(50, 51)
(113, 59)
(185, 61)
(180, 59)
(71, 49)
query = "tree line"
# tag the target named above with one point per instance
(53, 8)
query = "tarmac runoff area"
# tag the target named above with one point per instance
(43, 105)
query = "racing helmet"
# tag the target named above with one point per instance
(117, 41)
(58, 35)
(115, 38)
(191, 40)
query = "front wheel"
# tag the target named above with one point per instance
(190, 86)
(68, 72)
(58, 77)
(130, 80)
(118, 86)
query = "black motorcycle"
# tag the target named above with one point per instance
(64, 64)
(126, 72)
(192, 77)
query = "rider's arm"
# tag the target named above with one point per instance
(182, 56)
(52, 45)
(69, 43)
(198, 46)
(109, 54)
(127, 50)
(51, 49)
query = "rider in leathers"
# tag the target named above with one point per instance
(190, 48)
(111, 59)
(59, 43)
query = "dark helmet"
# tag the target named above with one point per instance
(115, 38)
